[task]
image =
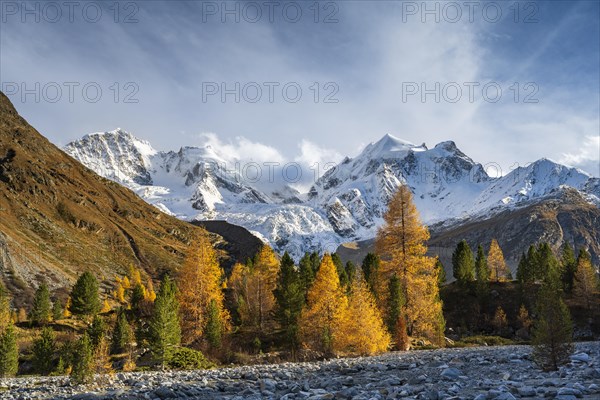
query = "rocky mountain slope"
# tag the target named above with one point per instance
(346, 204)
(59, 218)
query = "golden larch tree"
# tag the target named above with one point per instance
(253, 286)
(401, 246)
(585, 283)
(199, 283)
(324, 317)
(496, 263)
(365, 331)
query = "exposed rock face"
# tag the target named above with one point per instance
(470, 373)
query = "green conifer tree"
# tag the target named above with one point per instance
(57, 310)
(341, 270)
(463, 264)
(85, 299)
(482, 274)
(82, 370)
(290, 298)
(370, 268)
(546, 261)
(44, 348)
(96, 331)
(41, 308)
(214, 325)
(164, 331)
(9, 352)
(553, 330)
(441, 272)
(122, 335)
(396, 302)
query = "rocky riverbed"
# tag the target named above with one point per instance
(470, 373)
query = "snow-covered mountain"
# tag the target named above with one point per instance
(345, 204)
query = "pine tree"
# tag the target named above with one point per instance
(83, 370)
(569, 267)
(341, 270)
(441, 272)
(122, 335)
(44, 348)
(498, 269)
(290, 298)
(85, 299)
(547, 262)
(350, 271)
(528, 270)
(370, 269)
(463, 264)
(41, 307)
(96, 332)
(397, 302)
(164, 330)
(553, 330)
(214, 325)
(9, 352)
(57, 311)
(585, 286)
(199, 283)
(482, 273)
(401, 245)
(365, 333)
(322, 319)
(308, 269)
(138, 296)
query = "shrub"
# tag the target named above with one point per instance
(184, 358)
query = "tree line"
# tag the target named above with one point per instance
(319, 304)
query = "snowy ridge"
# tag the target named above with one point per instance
(346, 203)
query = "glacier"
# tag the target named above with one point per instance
(345, 204)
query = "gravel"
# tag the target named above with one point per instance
(482, 373)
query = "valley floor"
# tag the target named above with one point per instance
(468, 373)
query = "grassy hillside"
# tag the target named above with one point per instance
(58, 218)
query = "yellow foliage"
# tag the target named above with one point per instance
(401, 246)
(134, 276)
(365, 333)
(67, 310)
(150, 293)
(120, 293)
(253, 287)
(323, 320)
(496, 263)
(585, 286)
(105, 307)
(125, 283)
(200, 282)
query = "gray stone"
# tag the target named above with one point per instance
(583, 357)
(526, 391)
(450, 374)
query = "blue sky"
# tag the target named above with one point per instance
(367, 56)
